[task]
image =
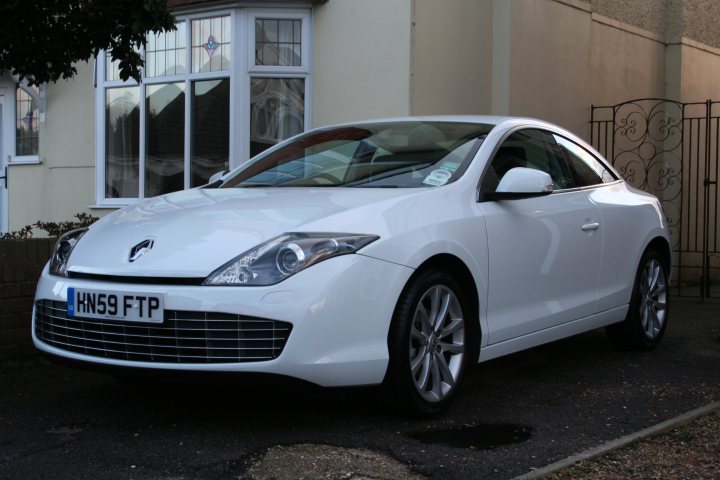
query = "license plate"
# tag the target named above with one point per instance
(109, 305)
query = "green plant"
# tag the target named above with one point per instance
(53, 229)
(23, 233)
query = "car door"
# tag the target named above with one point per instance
(617, 206)
(544, 251)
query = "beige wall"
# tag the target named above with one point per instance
(64, 183)
(361, 60)
(564, 57)
(374, 58)
(700, 79)
(451, 57)
(550, 73)
(626, 63)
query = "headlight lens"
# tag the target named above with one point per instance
(286, 255)
(63, 248)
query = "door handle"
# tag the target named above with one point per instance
(5, 177)
(588, 227)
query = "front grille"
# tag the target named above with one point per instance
(183, 337)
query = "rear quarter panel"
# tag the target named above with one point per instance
(631, 219)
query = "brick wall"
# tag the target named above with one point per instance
(21, 262)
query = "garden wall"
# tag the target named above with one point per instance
(21, 262)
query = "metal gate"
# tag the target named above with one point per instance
(670, 149)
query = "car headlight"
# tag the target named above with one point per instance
(63, 248)
(286, 255)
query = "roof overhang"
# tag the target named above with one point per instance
(194, 4)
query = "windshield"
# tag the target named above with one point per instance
(392, 154)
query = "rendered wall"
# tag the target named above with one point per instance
(451, 57)
(64, 183)
(553, 59)
(361, 60)
(700, 69)
(650, 15)
(626, 63)
(550, 71)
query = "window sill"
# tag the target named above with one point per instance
(25, 161)
(110, 206)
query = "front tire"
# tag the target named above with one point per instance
(645, 324)
(431, 342)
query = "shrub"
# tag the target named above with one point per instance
(53, 229)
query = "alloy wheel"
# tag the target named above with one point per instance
(653, 298)
(437, 343)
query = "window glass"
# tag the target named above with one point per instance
(184, 122)
(165, 53)
(277, 111)
(278, 42)
(210, 125)
(164, 138)
(26, 125)
(530, 149)
(122, 139)
(211, 44)
(586, 169)
(112, 67)
(377, 155)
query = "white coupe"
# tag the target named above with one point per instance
(393, 252)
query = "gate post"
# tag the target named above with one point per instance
(707, 182)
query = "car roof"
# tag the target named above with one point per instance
(503, 121)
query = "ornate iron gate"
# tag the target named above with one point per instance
(670, 149)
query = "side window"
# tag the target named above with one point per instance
(586, 169)
(531, 149)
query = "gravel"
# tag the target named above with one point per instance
(688, 452)
(325, 462)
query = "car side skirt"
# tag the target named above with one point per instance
(551, 334)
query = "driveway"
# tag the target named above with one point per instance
(515, 413)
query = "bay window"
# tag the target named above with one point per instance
(221, 88)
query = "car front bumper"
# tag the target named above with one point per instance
(339, 311)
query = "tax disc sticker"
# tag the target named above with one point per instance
(450, 166)
(437, 178)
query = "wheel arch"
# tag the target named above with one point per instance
(662, 246)
(460, 271)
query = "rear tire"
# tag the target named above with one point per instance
(647, 317)
(432, 342)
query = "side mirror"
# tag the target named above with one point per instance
(522, 182)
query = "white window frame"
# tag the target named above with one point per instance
(25, 159)
(242, 69)
(265, 13)
(272, 71)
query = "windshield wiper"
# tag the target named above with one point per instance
(254, 185)
(214, 184)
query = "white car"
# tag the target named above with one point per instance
(394, 252)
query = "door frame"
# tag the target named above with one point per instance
(7, 145)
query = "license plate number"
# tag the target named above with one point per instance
(109, 305)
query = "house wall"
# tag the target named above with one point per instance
(64, 183)
(361, 60)
(375, 58)
(451, 57)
